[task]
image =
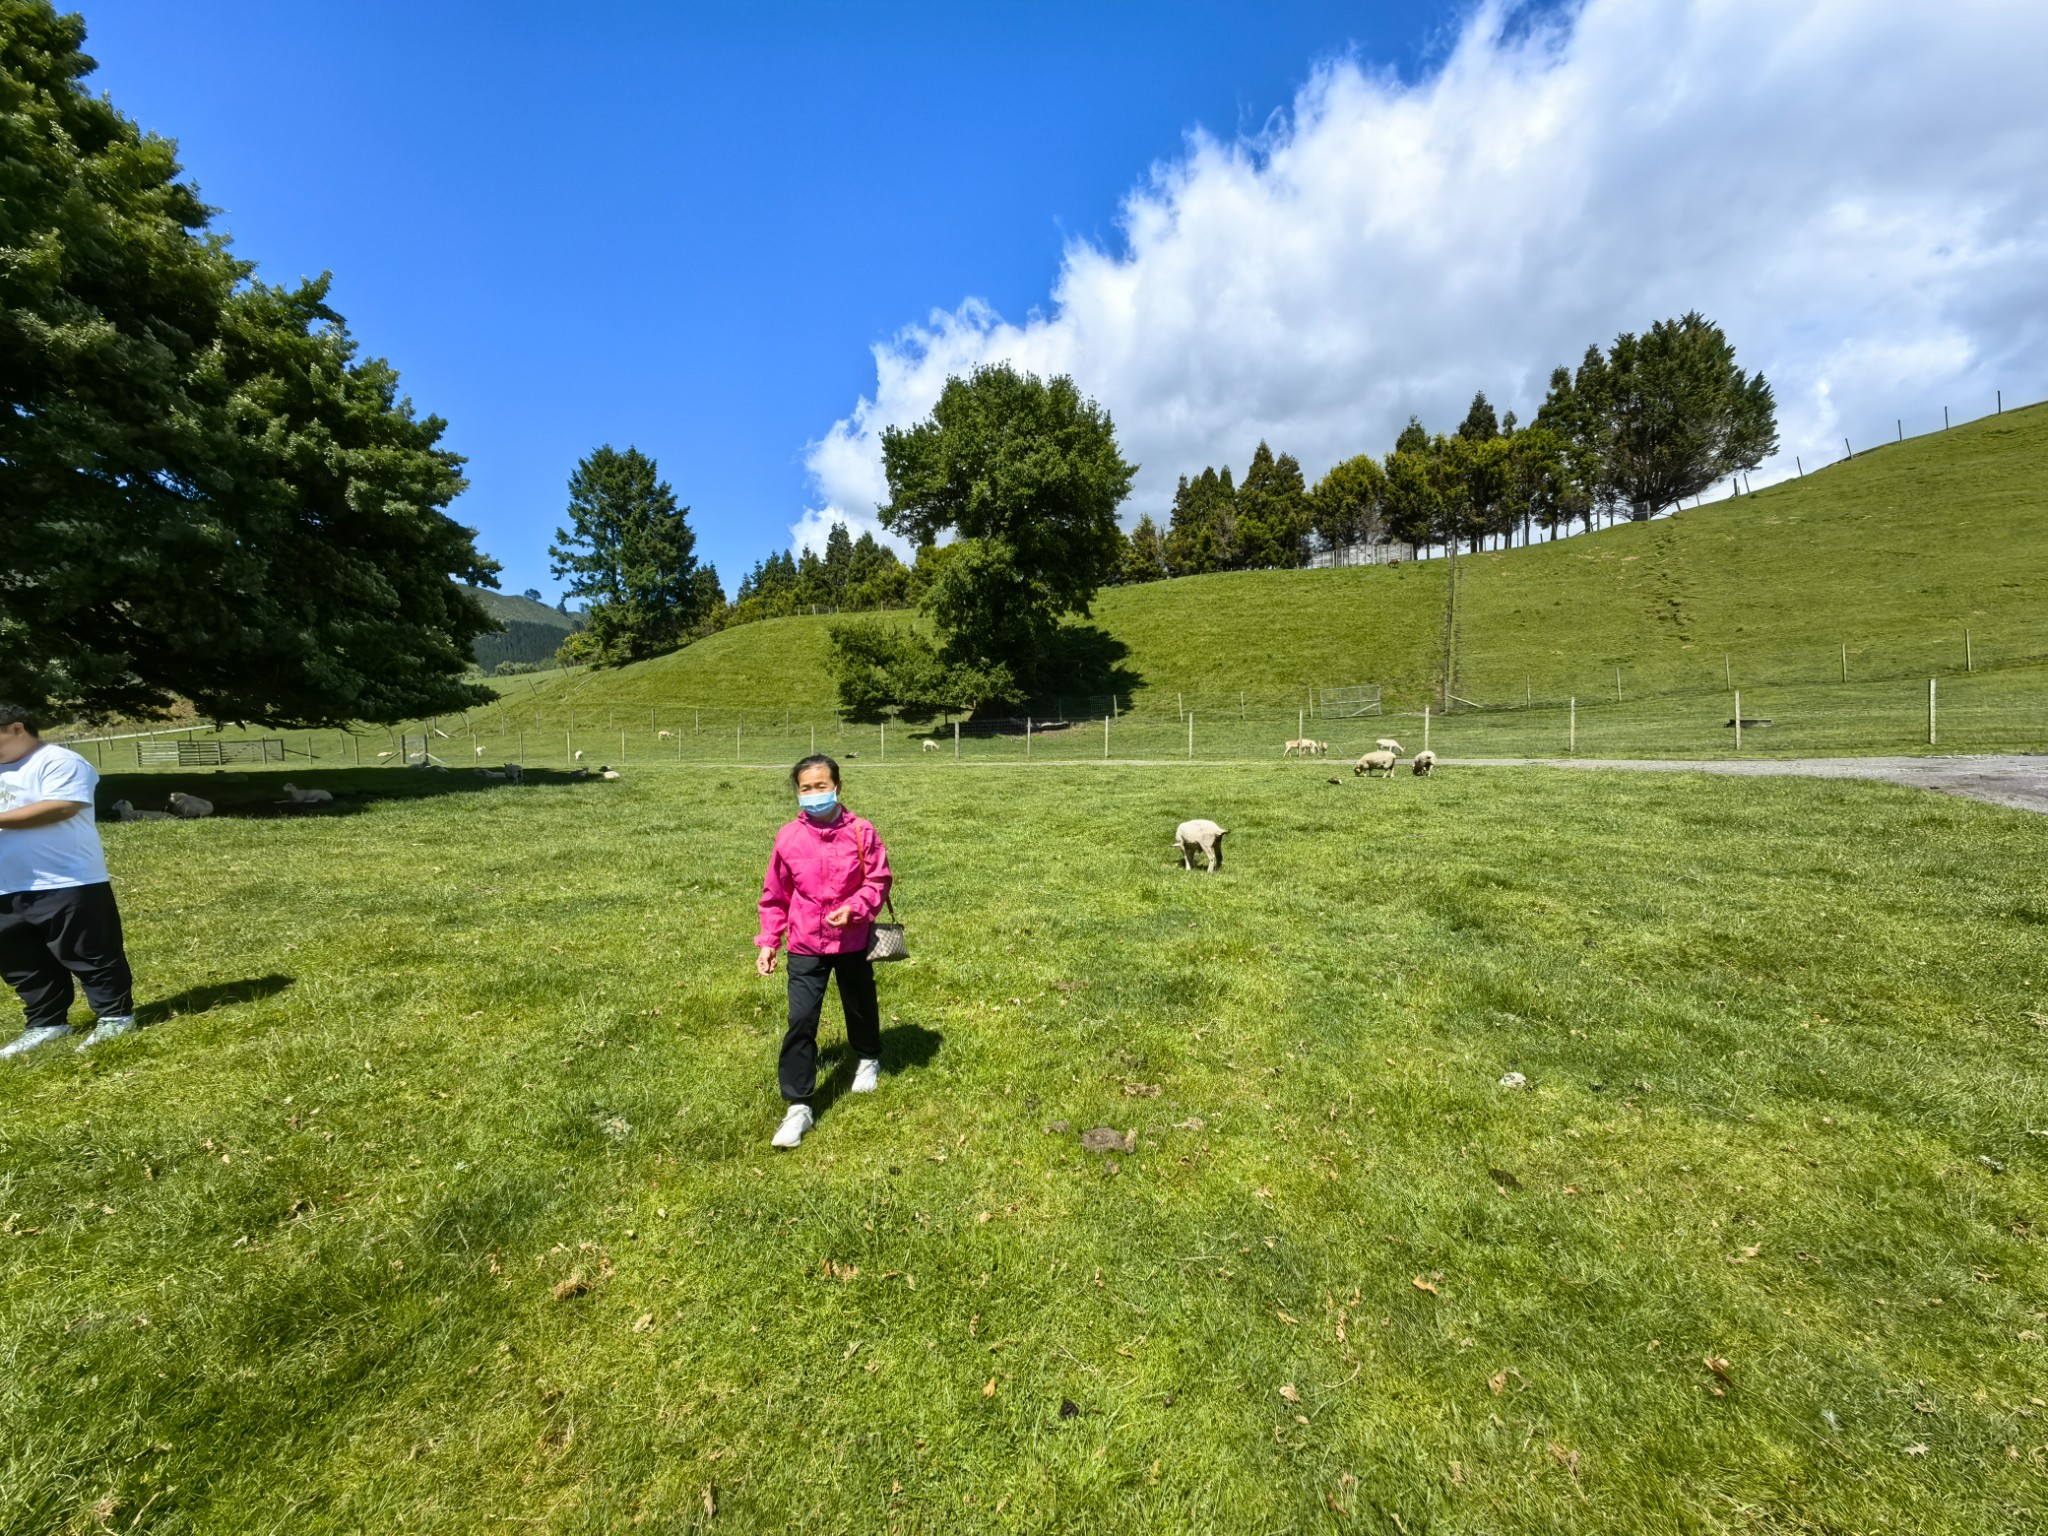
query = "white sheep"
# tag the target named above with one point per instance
(1298, 744)
(479, 751)
(1322, 749)
(1203, 837)
(664, 735)
(298, 796)
(1388, 744)
(608, 773)
(1374, 762)
(577, 755)
(930, 745)
(1425, 763)
(385, 757)
(188, 807)
(121, 810)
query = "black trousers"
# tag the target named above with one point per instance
(48, 937)
(807, 977)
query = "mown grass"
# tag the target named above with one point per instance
(1891, 555)
(291, 1259)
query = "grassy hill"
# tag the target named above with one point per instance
(533, 631)
(1891, 554)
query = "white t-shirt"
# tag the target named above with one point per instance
(50, 858)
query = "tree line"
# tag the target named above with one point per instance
(1636, 429)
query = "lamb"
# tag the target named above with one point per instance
(188, 807)
(300, 796)
(1322, 749)
(121, 810)
(1425, 763)
(1203, 837)
(577, 755)
(930, 745)
(385, 757)
(608, 773)
(479, 751)
(1374, 762)
(1300, 744)
(1388, 744)
(664, 735)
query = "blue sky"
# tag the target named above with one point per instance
(685, 227)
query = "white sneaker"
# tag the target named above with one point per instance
(867, 1077)
(29, 1039)
(105, 1030)
(794, 1124)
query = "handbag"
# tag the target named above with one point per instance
(885, 940)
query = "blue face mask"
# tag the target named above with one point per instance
(819, 804)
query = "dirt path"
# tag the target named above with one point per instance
(2017, 781)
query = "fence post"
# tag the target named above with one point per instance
(1425, 727)
(622, 746)
(1191, 735)
(568, 746)
(1571, 740)
(1738, 722)
(956, 741)
(1105, 738)
(1930, 711)
(1727, 671)
(1617, 685)
(1845, 661)
(1969, 657)
(522, 742)
(696, 722)
(1180, 703)
(883, 753)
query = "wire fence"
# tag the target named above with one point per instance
(1982, 711)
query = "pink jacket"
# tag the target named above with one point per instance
(812, 870)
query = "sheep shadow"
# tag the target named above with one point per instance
(905, 1048)
(204, 999)
(259, 795)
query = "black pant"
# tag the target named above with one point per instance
(807, 977)
(48, 937)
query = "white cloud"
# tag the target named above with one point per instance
(1857, 190)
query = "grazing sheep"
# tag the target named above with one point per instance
(385, 757)
(514, 774)
(489, 777)
(1203, 837)
(1322, 749)
(479, 751)
(298, 796)
(664, 735)
(577, 756)
(1296, 744)
(1425, 763)
(188, 807)
(930, 745)
(121, 810)
(1388, 744)
(1374, 762)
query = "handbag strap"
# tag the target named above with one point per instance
(889, 896)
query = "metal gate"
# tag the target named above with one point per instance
(1347, 703)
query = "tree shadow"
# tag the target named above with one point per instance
(219, 994)
(905, 1048)
(1085, 662)
(260, 796)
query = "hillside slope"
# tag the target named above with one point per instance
(1890, 554)
(532, 631)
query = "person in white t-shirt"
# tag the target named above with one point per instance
(58, 920)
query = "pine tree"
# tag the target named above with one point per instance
(630, 550)
(1144, 553)
(1273, 513)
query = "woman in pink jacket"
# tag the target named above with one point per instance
(827, 878)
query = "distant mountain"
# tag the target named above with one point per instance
(532, 631)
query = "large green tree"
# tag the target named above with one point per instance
(1025, 475)
(1665, 414)
(1349, 504)
(1201, 534)
(1273, 512)
(204, 492)
(629, 551)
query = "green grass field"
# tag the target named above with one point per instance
(439, 1198)
(1879, 564)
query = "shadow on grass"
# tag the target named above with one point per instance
(260, 795)
(905, 1048)
(219, 994)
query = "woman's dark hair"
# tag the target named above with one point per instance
(14, 714)
(815, 760)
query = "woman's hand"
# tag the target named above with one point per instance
(840, 915)
(764, 962)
